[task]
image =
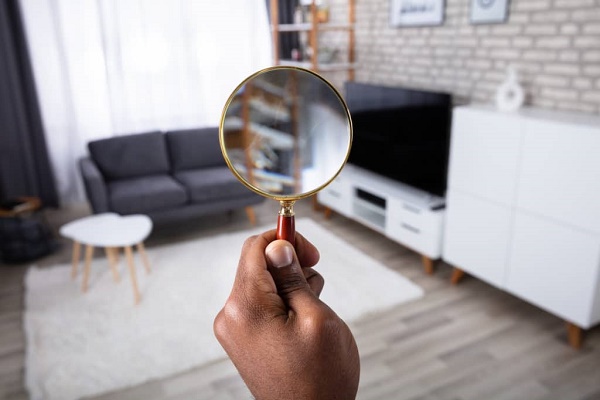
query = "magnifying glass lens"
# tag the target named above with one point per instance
(285, 133)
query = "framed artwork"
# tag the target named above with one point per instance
(489, 11)
(416, 12)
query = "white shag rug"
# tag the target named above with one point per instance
(86, 344)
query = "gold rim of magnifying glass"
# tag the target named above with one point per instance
(240, 177)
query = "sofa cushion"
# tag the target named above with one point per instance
(130, 156)
(209, 184)
(194, 148)
(148, 193)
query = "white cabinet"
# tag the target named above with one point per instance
(556, 268)
(468, 240)
(560, 172)
(523, 209)
(402, 213)
(484, 157)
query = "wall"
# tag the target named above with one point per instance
(554, 44)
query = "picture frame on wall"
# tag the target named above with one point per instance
(416, 12)
(489, 11)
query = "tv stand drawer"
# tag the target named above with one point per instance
(417, 227)
(400, 210)
(403, 214)
(420, 238)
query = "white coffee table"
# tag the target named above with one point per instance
(111, 231)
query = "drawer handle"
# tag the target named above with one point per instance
(334, 193)
(412, 209)
(410, 228)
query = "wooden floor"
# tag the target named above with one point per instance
(466, 342)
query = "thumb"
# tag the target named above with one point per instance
(289, 279)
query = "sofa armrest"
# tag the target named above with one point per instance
(95, 187)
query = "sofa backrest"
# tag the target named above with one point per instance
(194, 148)
(130, 156)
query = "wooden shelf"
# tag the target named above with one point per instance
(336, 67)
(325, 67)
(306, 27)
(292, 63)
(313, 29)
(278, 139)
(335, 27)
(294, 27)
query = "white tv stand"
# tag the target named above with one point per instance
(406, 215)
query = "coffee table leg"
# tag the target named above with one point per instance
(75, 259)
(142, 250)
(110, 254)
(136, 292)
(89, 251)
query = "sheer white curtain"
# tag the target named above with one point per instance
(110, 67)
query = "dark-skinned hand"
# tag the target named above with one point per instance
(285, 342)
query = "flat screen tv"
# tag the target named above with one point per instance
(402, 134)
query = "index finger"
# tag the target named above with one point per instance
(252, 267)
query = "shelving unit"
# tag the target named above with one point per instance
(314, 28)
(261, 121)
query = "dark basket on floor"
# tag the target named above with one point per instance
(24, 239)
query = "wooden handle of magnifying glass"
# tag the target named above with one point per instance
(286, 228)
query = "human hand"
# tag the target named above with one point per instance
(284, 341)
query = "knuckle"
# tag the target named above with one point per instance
(239, 314)
(312, 275)
(231, 314)
(322, 322)
(220, 326)
(249, 242)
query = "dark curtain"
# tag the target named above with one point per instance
(24, 163)
(287, 40)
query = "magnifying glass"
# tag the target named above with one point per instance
(285, 133)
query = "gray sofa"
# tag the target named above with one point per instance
(168, 176)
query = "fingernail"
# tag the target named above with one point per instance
(280, 255)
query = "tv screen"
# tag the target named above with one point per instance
(407, 142)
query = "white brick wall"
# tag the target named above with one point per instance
(554, 44)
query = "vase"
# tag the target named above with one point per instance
(510, 95)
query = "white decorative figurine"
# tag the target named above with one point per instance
(510, 96)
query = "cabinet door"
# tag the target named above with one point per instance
(484, 153)
(556, 268)
(476, 236)
(560, 173)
